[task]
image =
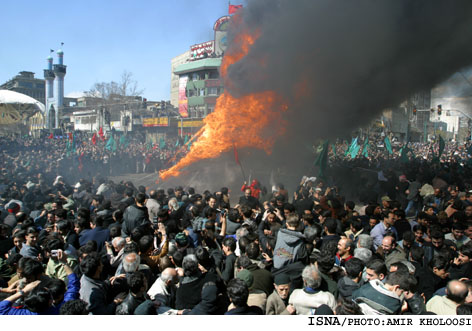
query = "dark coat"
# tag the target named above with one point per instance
(129, 304)
(246, 310)
(133, 217)
(99, 234)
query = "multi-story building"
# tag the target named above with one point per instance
(26, 83)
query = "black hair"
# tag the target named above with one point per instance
(399, 278)
(57, 287)
(417, 253)
(246, 211)
(243, 243)
(400, 267)
(252, 251)
(89, 265)
(140, 198)
(38, 300)
(145, 243)
(230, 242)
(136, 282)
(348, 307)
(233, 215)
(354, 267)
(204, 258)
(464, 309)
(378, 266)
(331, 224)
(74, 307)
(30, 267)
(238, 292)
(356, 223)
(439, 262)
(243, 262)
(350, 204)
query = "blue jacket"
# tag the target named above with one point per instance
(99, 234)
(7, 309)
(72, 293)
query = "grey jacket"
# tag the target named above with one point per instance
(94, 292)
(290, 248)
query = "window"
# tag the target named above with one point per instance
(212, 91)
(201, 92)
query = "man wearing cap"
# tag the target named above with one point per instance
(385, 202)
(10, 219)
(277, 302)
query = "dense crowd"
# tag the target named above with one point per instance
(75, 154)
(374, 236)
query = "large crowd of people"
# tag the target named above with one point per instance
(376, 235)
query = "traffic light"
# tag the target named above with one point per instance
(144, 103)
(414, 111)
(439, 110)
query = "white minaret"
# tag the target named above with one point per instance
(59, 72)
(49, 92)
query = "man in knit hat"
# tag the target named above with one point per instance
(277, 302)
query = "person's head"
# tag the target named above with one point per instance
(212, 202)
(19, 238)
(238, 292)
(440, 264)
(416, 254)
(169, 276)
(468, 228)
(464, 309)
(398, 282)
(458, 230)
(388, 244)
(376, 269)
(348, 307)
(247, 192)
(388, 218)
(418, 232)
(39, 300)
(140, 199)
(74, 307)
(31, 236)
(137, 283)
(311, 277)
(456, 291)
(30, 269)
(91, 266)
(365, 241)
(345, 247)
(354, 268)
(408, 239)
(118, 243)
(330, 226)
(131, 262)
(355, 224)
(190, 265)
(363, 254)
(293, 221)
(437, 239)
(282, 285)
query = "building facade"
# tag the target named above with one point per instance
(26, 83)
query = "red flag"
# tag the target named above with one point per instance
(236, 156)
(100, 133)
(94, 139)
(70, 136)
(51, 136)
(234, 8)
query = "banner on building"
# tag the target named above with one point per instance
(183, 102)
(155, 121)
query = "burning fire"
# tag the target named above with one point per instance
(243, 122)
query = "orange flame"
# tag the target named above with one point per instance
(244, 121)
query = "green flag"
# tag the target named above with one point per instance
(70, 146)
(185, 140)
(124, 141)
(162, 143)
(441, 145)
(365, 149)
(322, 159)
(404, 154)
(355, 151)
(177, 143)
(388, 146)
(111, 144)
(351, 147)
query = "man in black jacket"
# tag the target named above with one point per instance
(135, 215)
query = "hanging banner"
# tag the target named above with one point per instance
(183, 102)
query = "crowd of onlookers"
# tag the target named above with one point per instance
(395, 242)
